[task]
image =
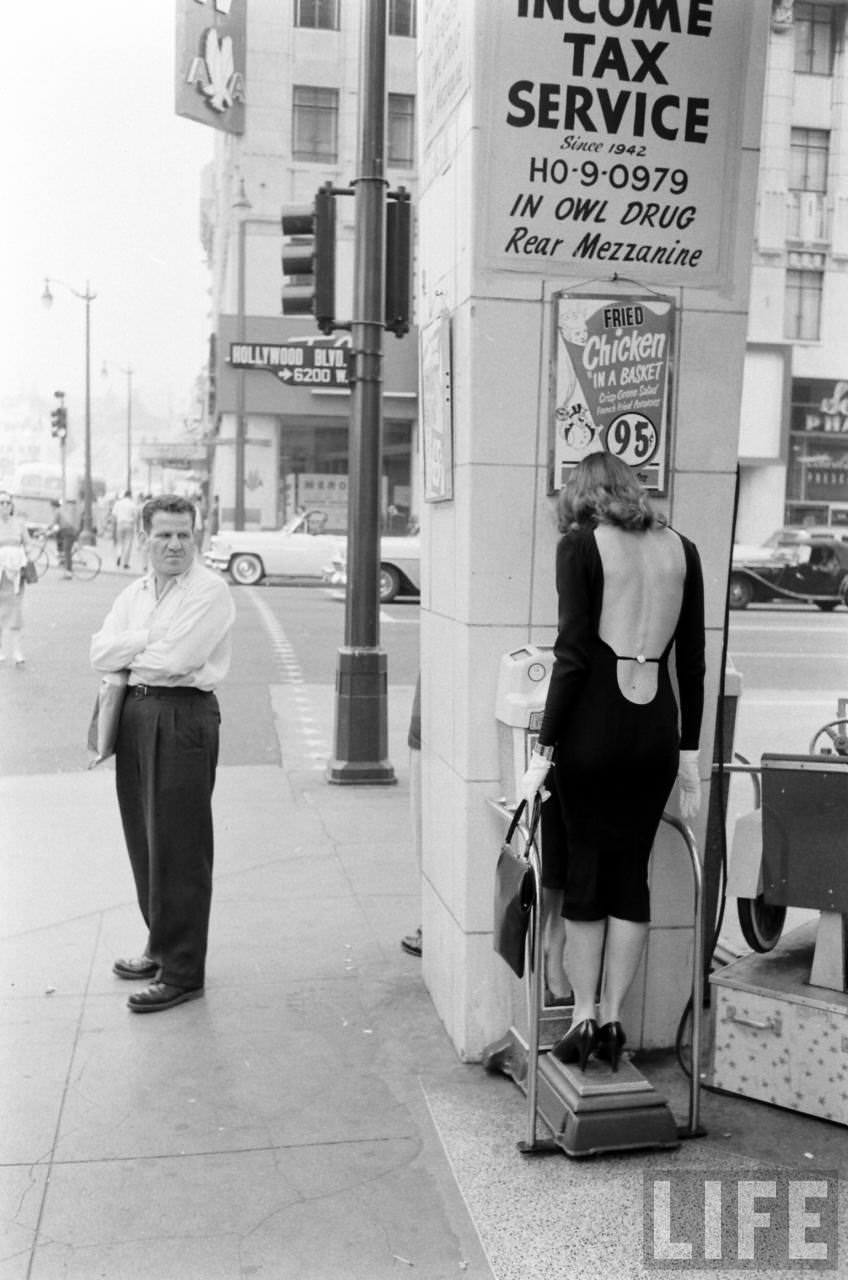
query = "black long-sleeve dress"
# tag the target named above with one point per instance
(615, 760)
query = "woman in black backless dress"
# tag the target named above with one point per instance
(630, 592)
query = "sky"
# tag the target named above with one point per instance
(102, 187)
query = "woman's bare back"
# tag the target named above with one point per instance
(644, 573)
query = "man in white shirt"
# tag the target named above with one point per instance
(124, 514)
(171, 630)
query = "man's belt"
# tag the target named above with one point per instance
(167, 691)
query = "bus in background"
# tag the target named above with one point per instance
(37, 486)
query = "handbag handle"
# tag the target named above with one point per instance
(534, 821)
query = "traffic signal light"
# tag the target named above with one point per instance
(309, 260)
(398, 262)
(59, 421)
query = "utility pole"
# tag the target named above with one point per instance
(361, 716)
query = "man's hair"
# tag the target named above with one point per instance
(603, 489)
(172, 504)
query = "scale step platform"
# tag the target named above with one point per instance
(596, 1110)
(587, 1112)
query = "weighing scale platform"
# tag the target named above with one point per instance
(587, 1112)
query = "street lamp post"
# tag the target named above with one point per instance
(127, 370)
(87, 531)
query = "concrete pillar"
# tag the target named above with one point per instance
(489, 528)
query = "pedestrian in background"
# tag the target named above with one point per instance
(412, 943)
(124, 515)
(171, 631)
(15, 549)
(630, 590)
(65, 530)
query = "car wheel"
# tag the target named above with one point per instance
(825, 605)
(741, 592)
(760, 923)
(843, 590)
(246, 570)
(389, 583)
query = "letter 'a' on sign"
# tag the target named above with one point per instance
(309, 259)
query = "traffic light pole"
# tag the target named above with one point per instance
(361, 715)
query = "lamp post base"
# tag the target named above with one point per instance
(361, 725)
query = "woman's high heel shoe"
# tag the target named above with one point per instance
(577, 1043)
(611, 1040)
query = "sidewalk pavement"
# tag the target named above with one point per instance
(309, 1117)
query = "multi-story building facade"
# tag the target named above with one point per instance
(301, 117)
(301, 130)
(793, 446)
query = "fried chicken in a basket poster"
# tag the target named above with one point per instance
(611, 369)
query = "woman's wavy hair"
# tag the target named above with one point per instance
(604, 490)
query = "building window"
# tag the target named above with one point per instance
(815, 38)
(808, 160)
(323, 14)
(802, 314)
(401, 17)
(315, 123)
(808, 166)
(400, 151)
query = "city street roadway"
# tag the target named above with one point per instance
(793, 662)
(283, 635)
(794, 666)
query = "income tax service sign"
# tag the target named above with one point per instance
(612, 136)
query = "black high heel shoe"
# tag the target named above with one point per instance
(577, 1043)
(611, 1040)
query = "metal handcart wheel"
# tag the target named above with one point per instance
(761, 923)
(836, 733)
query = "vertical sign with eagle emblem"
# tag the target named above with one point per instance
(210, 62)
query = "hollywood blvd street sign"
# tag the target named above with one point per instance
(296, 363)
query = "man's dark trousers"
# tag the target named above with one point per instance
(165, 762)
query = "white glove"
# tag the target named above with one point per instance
(689, 783)
(533, 780)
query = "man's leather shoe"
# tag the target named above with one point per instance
(141, 967)
(161, 995)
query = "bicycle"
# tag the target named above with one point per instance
(85, 561)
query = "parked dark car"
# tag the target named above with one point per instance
(815, 572)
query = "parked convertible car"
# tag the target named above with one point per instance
(301, 550)
(400, 567)
(815, 572)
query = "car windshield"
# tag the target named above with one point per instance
(307, 522)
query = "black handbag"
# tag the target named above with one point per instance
(29, 573)
(514, 894)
